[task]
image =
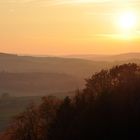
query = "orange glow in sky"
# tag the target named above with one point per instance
(69, 26)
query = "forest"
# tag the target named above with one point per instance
(107, 108)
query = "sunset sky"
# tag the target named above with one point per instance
(58, 27)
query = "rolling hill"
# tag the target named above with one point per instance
(72, 66)
(33, 76)
(110, 58)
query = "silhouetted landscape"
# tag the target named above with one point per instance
(61, 81)
(108, 107)
(69, 69)
(38, 76)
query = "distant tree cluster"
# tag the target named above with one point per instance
(5, 95)
(107, 109)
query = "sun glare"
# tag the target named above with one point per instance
(127, 21)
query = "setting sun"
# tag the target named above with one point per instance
(127, 20)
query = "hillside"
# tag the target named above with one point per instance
(32, 84)
(110, 58)
(72, 66)
(31, 76)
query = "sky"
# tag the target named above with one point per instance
(55, 27)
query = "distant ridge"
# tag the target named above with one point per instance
(95, 57)
(116, 57)
(19, 73)
(78, 65)
(72, 66)
(7, 54)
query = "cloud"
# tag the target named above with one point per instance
(65, 1)
(60, 2)
(79, 1)
(131, 36)
(74, 2)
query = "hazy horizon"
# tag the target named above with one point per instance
(69, 27)
(69, 54)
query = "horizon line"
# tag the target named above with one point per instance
(67, 54)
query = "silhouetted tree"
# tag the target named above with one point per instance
(108, 108)
(25, 124)
(47, 114)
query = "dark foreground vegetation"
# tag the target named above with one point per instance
(107, 109)
(11, 106)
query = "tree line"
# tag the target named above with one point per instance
(108, 108)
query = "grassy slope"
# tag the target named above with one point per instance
(37, 84)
